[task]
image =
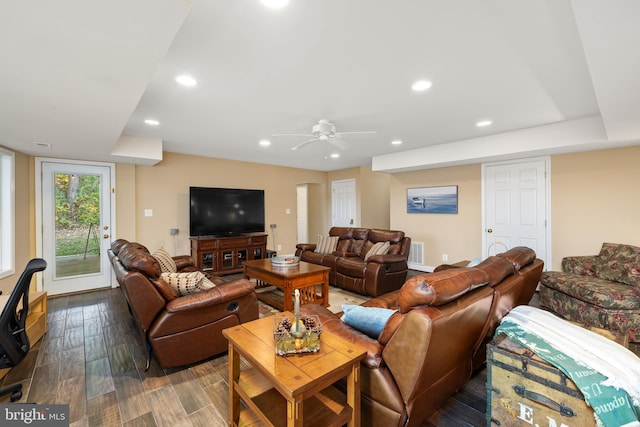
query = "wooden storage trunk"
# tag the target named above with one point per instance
(524, 390)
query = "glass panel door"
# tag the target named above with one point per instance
(76, 226)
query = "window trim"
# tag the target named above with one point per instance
(7, 212)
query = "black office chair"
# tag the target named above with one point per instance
(14, 342)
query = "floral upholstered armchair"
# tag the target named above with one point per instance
(597, 290)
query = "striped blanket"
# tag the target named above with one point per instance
(607, 373)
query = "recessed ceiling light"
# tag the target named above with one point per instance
(335, 155)
(265, 143)
(152, 122)
(484, 123)
(186, 80)
(421, 85)
(396, 142)
(275, 4)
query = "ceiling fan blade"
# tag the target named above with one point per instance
(354, 133)
(291, 134)
(339, 143)
(302, 144)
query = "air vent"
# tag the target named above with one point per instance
(42, 145)
(416, 253)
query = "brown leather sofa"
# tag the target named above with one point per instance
(429, 348)
(179, 330)
(378, 275)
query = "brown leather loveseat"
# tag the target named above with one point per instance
(431, 345)
(179, 330)
(374, 276)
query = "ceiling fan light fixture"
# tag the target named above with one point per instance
(421, 85)
(275, 4)
(186, 80)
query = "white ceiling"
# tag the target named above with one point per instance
(78, 74)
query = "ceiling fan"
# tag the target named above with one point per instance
(324, 130)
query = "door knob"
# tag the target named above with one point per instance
(106, 227)
(106, 236)
(489, 230)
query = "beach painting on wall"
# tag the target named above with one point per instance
(433, 200)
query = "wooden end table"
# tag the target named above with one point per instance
(294, 390)
(305, 277)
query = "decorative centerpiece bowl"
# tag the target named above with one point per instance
(291, 340)
(285, 261)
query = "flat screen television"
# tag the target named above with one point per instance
(225, 211)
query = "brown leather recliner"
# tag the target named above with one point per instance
(179, 330)
(377, 275)
(429, 347)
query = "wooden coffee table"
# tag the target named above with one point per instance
(306, 277)
(294, 390)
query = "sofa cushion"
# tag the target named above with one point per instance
(117, 244)
(368, 320)
(497, 268)
(187, 283)
(167, 264)
(379, 248)
(165, 290)
(615, 261)
(440, 287)
(353, 267)
(134, 259)
(519, 256)
(593, 290)
(631, 273)
(326, 244)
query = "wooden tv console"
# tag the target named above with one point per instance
(226, 255)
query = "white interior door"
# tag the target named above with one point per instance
(343, 203)
(516, 207)
(76, 226)
(303, 213)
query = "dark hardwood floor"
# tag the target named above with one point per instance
(92, 359)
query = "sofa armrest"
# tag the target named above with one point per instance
(184, 262)
(219, 295)
(306, 246)
(331, 322)
(580, 265)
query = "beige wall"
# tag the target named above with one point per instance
(372, 196)
(164, 188)
(593, 200)
(457, 235)
(24, 219)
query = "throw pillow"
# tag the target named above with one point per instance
(187, 283)
(379, 248)
(167, 264)
(326, 244)
(368, 320)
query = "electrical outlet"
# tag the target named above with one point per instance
(279, 247)
(272, 226)
(445, 257)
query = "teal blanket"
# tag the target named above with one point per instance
(550, 340)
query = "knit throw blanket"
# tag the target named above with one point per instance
(607, 373)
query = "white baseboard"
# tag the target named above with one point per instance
(421, 267)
